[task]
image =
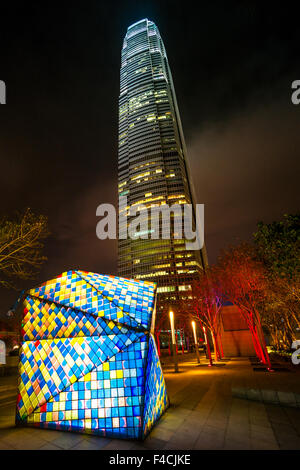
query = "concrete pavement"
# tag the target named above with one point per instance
(205, 413)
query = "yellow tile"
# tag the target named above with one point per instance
(88, 423)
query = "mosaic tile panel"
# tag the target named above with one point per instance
(88, 361)
(156, 400)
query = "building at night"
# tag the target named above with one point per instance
(152, 165)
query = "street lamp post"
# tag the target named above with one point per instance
(173, 342)
(196, 341)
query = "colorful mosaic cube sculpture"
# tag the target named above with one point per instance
(88, 361)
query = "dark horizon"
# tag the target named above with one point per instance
(232, 66)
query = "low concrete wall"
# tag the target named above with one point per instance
(268, 396)
(235, 335)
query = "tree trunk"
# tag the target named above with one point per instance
(187, 344)
(158, 343)
(209, 353)
(221, 346)
(218, 348)
(266, 354)
(256, 345)
(215, 346)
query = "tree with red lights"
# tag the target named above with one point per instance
(207, 302)
(242, 278)
(278, 247)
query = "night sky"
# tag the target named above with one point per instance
(232, 65)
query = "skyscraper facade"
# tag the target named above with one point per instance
(152, 165)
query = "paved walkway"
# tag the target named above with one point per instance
(204, 413)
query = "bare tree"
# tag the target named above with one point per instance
(207, 303)
(243, 280)
(21, 247)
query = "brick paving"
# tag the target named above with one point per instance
(205, 412)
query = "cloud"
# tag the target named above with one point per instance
(73, 243)
(246, 170)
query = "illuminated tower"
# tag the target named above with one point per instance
(152, 163)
